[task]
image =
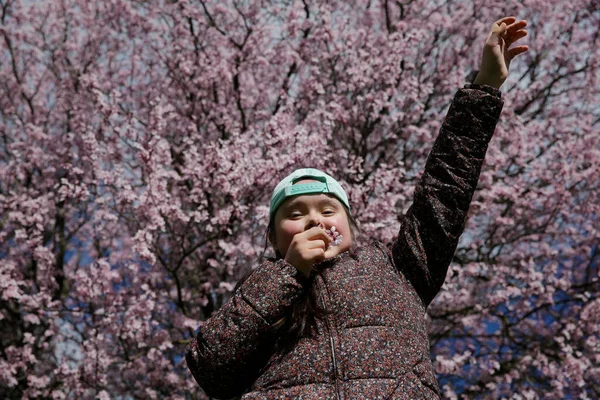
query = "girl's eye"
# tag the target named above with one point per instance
(295, 215)
(328, 212)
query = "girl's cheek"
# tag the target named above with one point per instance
(289, 230)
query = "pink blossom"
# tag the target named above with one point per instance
(336, 237)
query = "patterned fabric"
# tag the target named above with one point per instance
(373, 344)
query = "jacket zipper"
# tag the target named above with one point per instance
(329, 328)
(335, 370)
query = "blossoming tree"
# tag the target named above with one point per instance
(140, 141)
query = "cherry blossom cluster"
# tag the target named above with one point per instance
(335, 236)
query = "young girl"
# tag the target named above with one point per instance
(327, 320)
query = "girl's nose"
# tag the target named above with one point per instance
(314, 222)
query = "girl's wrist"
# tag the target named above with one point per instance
(485, 88)
(484, 80)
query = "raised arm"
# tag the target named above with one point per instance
(234, 344)
(433, 224)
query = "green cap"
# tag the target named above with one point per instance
(325, 184)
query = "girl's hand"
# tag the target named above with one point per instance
(497, 56)
(307, 248)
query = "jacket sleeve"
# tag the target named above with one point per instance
(236, 342)
(433, 224)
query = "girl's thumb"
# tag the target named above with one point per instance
(498, 30)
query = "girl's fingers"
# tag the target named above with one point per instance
(519, 34)
(316, 232)
(515, 26)
(317, 254)
(323, 236)
(503, 29)
(506, 20)
(317, 244)
(516, 29)
(515, 36)
(511, 25)
(515, 51)
(320, 237)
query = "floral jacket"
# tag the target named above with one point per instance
(373, 344)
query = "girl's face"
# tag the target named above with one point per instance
(300, 213)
